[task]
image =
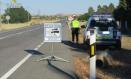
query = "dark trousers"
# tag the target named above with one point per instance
(75, 34)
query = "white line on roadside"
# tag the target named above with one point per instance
(18, 33)
(12, 70)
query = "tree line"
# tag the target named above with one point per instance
(121, 13)
(100, 9)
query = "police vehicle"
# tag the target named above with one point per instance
(106, 30)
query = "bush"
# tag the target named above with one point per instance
(17, 15)
(84, 17)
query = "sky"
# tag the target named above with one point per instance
(51, 7)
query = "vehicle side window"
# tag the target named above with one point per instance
(92, 23)
(87, 25)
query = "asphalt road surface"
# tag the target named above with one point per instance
(19, 50)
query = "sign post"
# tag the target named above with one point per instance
(8, 18)
(52, 34)
(92, 54)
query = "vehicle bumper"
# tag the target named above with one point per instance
(104, 41)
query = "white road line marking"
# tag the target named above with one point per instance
(18, 33)
(12, 70)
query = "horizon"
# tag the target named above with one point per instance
(49, 7)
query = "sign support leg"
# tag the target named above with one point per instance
(53, 57)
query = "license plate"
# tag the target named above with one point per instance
(105, 32)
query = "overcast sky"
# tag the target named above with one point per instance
(59, 6)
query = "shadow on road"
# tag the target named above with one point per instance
(85, 48)
(34, 52)
(75, 47)
(60, 70)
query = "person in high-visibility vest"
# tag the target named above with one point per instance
(75, 29)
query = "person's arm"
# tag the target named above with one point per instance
(69, 24)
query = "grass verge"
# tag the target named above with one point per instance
(21, 25)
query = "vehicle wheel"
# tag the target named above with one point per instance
(118, 45)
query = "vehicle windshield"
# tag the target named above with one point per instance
(103, 23)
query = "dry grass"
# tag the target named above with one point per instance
(120, 68)
(41, 21)
(82, 70)
(21, 25)
(13, 26)
(126, 42)
(81, 67)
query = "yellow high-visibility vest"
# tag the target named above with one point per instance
(75, 24)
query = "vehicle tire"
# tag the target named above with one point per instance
(118, 44)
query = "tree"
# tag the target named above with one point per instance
(90, 11)
(102, 9)
(18, 15)
(84, 17)
(105, 9)
(129, 13)
(111, 8)
(120, 14)
(123, 4)
(129, 4)
(99, 9)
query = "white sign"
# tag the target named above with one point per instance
(7, 17)
(52, 32)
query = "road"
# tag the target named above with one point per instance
(19, 50)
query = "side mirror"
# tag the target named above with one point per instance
(83, 26)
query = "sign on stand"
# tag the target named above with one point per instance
(52, 32)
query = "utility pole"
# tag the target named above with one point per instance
(28, 16)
